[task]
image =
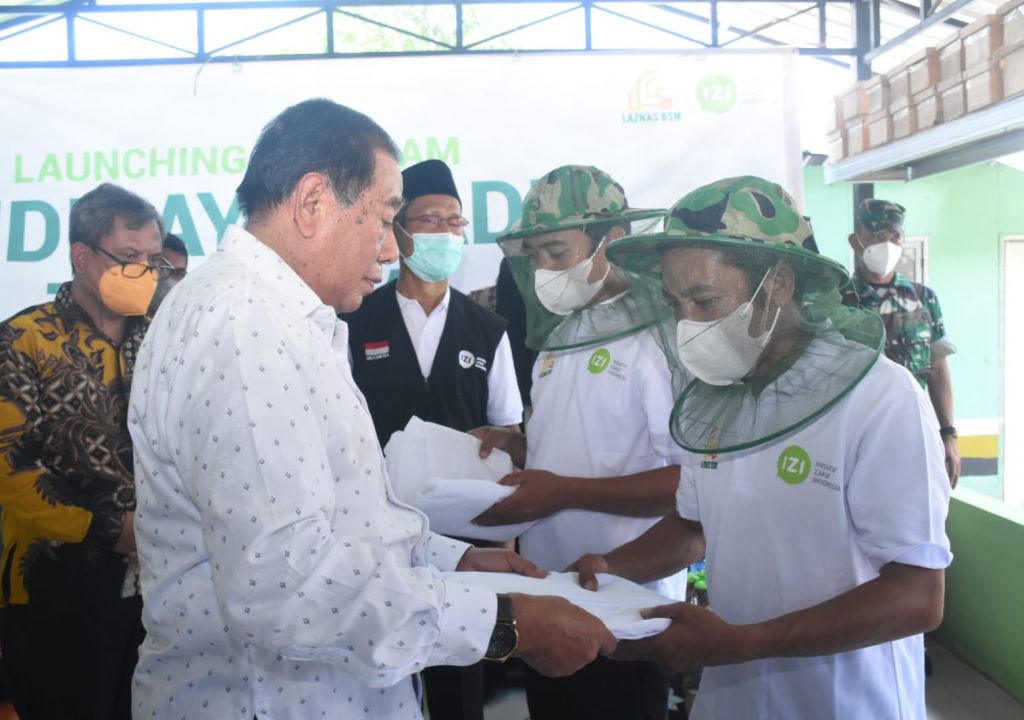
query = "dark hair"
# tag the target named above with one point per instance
(175, 244)
(314, 136)
(596, 231)
(93, 215)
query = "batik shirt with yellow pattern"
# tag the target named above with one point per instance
(66, 474)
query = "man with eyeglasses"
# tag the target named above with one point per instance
(420, 347)
(70, 622)
(915, 333)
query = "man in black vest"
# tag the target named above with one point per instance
(422, 348)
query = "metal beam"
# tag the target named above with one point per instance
(862, 37)
(29, 16)
(920, 12)
(936, 17)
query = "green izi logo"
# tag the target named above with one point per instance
(599, 361)
(794, 465)
(717, 93)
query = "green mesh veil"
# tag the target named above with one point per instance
(585, 198)
(754, 225)
(597, 323)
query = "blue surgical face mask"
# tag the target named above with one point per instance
(435, 256)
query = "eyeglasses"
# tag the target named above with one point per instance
(454, 222)
(134, 270)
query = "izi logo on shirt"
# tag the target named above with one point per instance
(599, 361)
(468, 360)
(794, 465)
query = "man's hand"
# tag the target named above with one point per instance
(538, 494)
(511, 441)
(126, 540)
(952, 459)
(556, 637)
(588, 568)
(696, 637)
(498, 560)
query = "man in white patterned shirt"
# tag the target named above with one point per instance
(281, 579)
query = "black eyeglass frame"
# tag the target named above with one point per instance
(129, 268)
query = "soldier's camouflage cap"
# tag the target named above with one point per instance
(877, 215)
(748, 212)
(574, 196)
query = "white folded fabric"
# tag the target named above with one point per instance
(439, 471)
(617, 601)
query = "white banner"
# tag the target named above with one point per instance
(660, 124)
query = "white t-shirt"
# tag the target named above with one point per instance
(504, 405)
(796, 522)
(600, 411)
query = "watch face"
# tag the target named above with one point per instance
(503, 641)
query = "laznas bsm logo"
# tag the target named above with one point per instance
(648, 101)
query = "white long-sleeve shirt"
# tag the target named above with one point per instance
(280, 576)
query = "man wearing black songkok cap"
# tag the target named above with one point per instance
(420, 347)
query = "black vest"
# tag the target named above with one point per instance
(385, 367)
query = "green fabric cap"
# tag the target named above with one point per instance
(734, 211)
(572, 196)
(877, 215)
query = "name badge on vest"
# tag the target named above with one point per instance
(468, 360)
(377, 350)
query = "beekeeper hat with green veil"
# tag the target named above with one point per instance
(555, 251)
(758, 340)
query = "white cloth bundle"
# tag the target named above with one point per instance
(617, 602)
(439, 471)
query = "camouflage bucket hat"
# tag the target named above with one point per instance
(745, 212)
(877, 215)
(573, 196)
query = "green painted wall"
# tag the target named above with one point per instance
(984, 620)
(964, 213)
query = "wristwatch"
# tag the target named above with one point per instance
(948, 430)
(505, 636)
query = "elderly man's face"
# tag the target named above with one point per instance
(700, 286)
(360, 239)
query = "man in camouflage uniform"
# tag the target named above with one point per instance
(915, 334)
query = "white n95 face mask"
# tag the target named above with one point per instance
(881, 258)
(562, 291)
(722, 352)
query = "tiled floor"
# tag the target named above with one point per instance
(955, 691)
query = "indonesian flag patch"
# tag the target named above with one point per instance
(377, 350)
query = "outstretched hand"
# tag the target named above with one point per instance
(538, 494)
(511, 441)
(696, 637)
(498, 560)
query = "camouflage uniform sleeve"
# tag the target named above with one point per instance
(941, 344)
(23, 476)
